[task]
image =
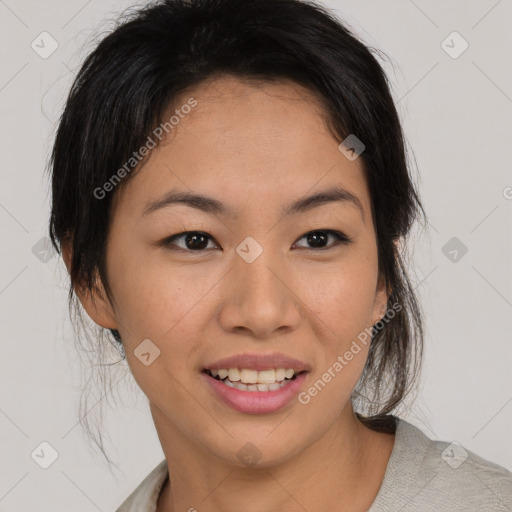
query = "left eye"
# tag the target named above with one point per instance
(320, 236)
(197, 241)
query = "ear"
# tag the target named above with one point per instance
(381, 300)
(95, 301)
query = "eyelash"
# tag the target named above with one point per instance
(341, 238)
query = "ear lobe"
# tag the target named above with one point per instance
(66, 255)
(381, 300)
(94, 301)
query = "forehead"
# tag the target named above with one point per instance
(258, 142)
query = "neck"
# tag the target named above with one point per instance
(340, 471)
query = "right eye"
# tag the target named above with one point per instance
(193, 241)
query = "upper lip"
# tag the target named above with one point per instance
(259, 362)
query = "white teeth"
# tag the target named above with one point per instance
(255, 387)
(233, 374)
(280, 374)
(266, 377)
(249, 376)
(253, 380)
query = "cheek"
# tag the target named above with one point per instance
(342, 295)
(342, 318)
(156, 302)
(154, 295)
(154, 298)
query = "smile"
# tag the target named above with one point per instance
(255, 396)
(253, 380)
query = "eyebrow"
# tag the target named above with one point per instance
(213, 206)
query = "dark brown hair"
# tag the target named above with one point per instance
(169, 47)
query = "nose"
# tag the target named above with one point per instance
(259, 299)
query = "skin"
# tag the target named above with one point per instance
(255, 149)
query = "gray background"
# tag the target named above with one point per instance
(456, 115)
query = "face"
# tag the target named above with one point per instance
(260, 277)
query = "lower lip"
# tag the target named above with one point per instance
(256, 402)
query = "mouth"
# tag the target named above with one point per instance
(252, 391)
(250, 380)
(255, 383)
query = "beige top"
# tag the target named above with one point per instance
(422, 475)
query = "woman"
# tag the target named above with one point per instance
(231, 196)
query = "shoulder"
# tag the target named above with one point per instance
(144, 498)
(426, 474)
